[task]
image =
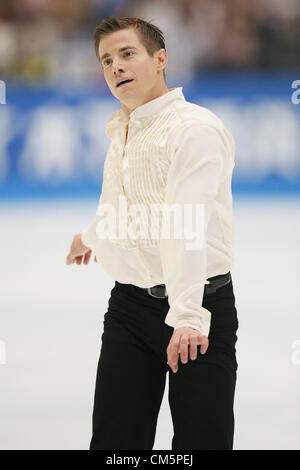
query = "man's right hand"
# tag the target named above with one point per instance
(78, 252)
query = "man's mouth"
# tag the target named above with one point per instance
(123, 82)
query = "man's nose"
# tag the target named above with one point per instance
(117, 66)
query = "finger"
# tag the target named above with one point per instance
(174, 350)
(204, 344)
(169, 360)
(78, 259)
(70, 259)
(173, 367)
(193, 347)
(95, 259)
(183, 348)
(87, 257)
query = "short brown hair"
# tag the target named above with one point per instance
(150, 35)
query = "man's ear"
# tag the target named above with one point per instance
(162, 59)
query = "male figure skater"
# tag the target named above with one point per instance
(172, 293)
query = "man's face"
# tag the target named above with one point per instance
(123, 56)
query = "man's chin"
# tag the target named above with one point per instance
(126, 94)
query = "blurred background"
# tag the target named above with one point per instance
(240, 59)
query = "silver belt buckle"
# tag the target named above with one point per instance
(157, 296)
(211, 289)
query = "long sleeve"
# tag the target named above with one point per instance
(199, 153)
(89, 234)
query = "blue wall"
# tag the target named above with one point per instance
(53, 142)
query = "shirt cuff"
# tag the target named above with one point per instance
(89, 236)
(200, 323)
(186, 308)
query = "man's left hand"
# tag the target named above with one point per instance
(183, 337)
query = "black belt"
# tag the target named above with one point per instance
(159, 291)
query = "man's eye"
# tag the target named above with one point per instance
(108, 61)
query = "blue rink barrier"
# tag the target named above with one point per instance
(53, 141)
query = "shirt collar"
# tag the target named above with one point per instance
(158, 104)
(151, 108)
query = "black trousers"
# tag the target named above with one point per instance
(132, 371)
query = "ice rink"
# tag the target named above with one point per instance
(51, 326)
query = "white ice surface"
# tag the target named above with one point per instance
(51, 326)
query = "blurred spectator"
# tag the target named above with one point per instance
(278, 25)
(46, 41)
(181, 50)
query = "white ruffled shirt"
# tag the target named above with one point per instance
(179, 153)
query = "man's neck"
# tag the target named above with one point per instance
(128, 109)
